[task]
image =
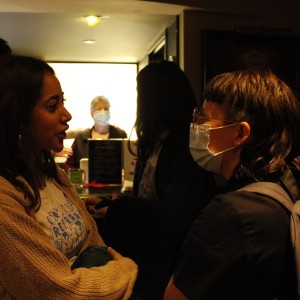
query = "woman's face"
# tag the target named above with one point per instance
(47, 127)
(220, 139)
(101, 105)
(224, 137)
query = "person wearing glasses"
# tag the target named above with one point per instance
(238, 247)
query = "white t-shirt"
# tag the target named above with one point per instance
(61, 220)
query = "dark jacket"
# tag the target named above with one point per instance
(152, 231)
(80, 145)
(238, 248)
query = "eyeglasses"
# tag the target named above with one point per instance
(199, 117)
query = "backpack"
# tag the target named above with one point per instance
(277, 193)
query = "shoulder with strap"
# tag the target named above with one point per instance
(276, 192)
(271, 189)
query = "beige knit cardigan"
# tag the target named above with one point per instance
(31, 266)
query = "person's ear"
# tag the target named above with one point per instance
(243, 133)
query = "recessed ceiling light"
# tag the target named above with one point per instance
(89, 41)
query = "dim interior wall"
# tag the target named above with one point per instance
(192, 23)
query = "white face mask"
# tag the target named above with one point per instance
(199, 140)
(101, 117)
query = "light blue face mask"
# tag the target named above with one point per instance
(199, 141)
(101, 117)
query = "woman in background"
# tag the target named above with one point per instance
(44, 225)
(170, 187)
(102, 129)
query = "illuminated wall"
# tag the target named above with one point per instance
(81, 82)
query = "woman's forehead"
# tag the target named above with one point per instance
(213, 109)
(100, 104)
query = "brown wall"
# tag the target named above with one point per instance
(192, 23)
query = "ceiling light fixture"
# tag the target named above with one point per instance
(93, 20)
(89, 42)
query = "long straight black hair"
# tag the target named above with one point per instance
(165, 100)
(21, 83)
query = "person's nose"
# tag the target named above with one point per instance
(66, 116)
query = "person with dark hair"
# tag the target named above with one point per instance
(239, 247)
(44, 224)
(170, 187)
(4, 48)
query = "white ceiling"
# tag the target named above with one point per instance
(54, 30)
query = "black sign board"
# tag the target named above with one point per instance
(105, 161)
